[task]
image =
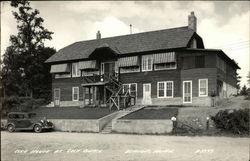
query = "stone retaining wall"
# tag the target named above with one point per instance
(142, 126)
(76, 125)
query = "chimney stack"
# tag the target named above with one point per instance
(192, 21)
(130, 28)
(98, 35)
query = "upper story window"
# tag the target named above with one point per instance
(221, 64)
(199, 61)
(203, 87)
(128, 64)
(165, 66)
(164, 61)
(165, 89)
(62, 76)
(189, 62)
(130, 69)
(147, 63)
(75, 70)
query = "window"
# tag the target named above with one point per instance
(165, 89)
(129, 69)
(187, 92)
(188, 62)
(75, 93)
(221, 64)
(132, 89)
(57, 93)
(203, 87)
(88, 95)
(75, 70)
(199, 61)
(57, 76)
(161, 89)
(164, 66)
(147, 63)
(194, 44)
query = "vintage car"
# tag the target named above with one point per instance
(27, 121)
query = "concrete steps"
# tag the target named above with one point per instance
(108, 128)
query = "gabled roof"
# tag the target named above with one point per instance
(126, 44)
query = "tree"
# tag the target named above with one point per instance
(238, 82)
(24, 72)
(243, 90)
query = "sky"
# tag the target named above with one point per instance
(222, 25)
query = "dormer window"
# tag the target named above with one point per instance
(194, 44)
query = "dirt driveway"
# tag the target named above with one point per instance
(60, 146)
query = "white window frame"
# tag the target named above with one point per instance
(200, 95)
(158, 90)
(129, 86)
(73, 94)
(77, 71)
(165, 89)
(191, 91)
(145, 67)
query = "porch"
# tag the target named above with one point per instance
(106, 91)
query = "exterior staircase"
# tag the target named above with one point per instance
(119, 98)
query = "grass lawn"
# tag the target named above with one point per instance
(153, 113)
(72, 112)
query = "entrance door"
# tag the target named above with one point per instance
(147, 94)
(187, 91)
(57, 94)
(108, 68)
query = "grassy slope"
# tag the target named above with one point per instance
(72, 112)
(153, 113)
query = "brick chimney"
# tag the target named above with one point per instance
(98, 35)
(192, 21)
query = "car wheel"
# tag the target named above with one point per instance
(11, 128)
(37, 128)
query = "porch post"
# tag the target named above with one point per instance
(104, 95)
(94, 95)
(89, 95)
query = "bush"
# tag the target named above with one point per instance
(15, 103)
(234, 121)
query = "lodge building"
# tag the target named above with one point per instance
(163, 67)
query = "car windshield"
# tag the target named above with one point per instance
(32, 115)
